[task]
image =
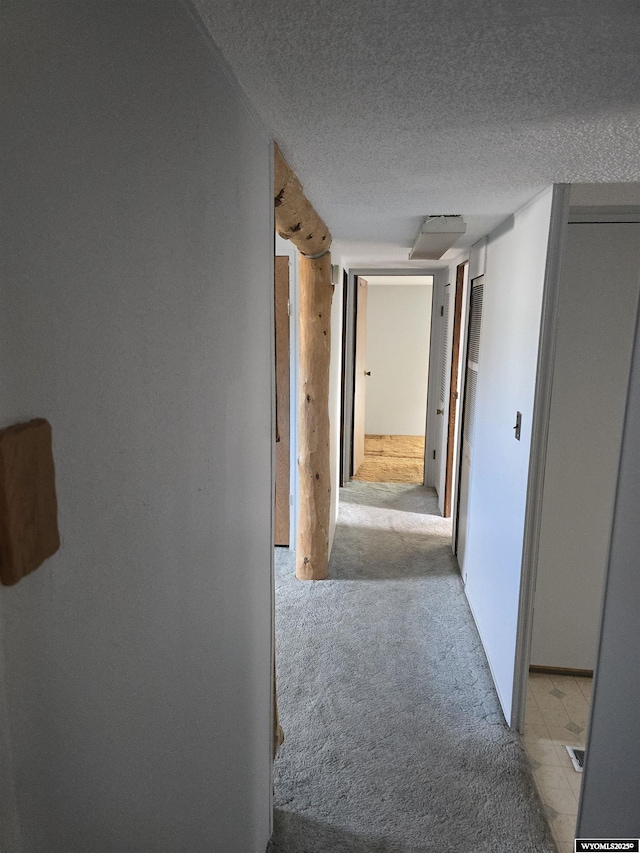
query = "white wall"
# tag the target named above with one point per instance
(398, 334)
(596, 321)
(514, 280)
(136, 314)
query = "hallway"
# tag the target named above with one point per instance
(395, 742)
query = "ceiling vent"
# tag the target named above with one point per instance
(437, 235)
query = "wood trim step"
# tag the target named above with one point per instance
(561, 670)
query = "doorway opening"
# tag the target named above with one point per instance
(391, 368)
(593, 352)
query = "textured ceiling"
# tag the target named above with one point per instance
(390, 110)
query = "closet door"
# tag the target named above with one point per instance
(468, 423)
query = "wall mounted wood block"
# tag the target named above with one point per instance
(28, 505)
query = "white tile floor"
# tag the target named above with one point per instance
(556, 715)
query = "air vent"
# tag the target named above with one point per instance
(470, 406)
(475, 323)
(437, 235)
(576, 754)
(445, 349)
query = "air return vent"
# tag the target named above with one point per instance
(576, 754)
(475, 323)
(445, 349)
(436, 236)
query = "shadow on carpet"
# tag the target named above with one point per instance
(294, 832)
(395, 740)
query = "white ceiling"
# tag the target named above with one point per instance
(391, 111)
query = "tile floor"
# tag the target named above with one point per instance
(557, 713)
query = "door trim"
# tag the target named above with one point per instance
(342, 476)
(282, 503)
(349, 352)
(359, 373)
(454, 410)
(464, 341)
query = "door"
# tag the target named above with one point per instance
(359, 383)
(281, 290)
(454, 390)
(442, 396)
(468, 420)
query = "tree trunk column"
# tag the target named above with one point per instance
(316, 293)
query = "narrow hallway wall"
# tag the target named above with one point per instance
(136, 315)
(516, 259)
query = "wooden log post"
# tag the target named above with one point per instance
(296, 220)
(316, 292)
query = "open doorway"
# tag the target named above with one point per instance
(392, 340)
(593, 351)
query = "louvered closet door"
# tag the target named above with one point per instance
(469, 418)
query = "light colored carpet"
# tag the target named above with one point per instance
(392, 459)
(394, 738)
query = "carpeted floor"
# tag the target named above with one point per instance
(392, 459)
(395, 742)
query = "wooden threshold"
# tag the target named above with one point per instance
(561, 670)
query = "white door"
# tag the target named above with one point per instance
(468, 421)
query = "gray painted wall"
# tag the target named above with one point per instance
(136, 314)
(609, 804)
(596, 320)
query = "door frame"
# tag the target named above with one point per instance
(464, 342)
(282, 334)
(455, 399)
(359, 373)
(284, 247)
(348, 358)
(343, 377)
(561, 216)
